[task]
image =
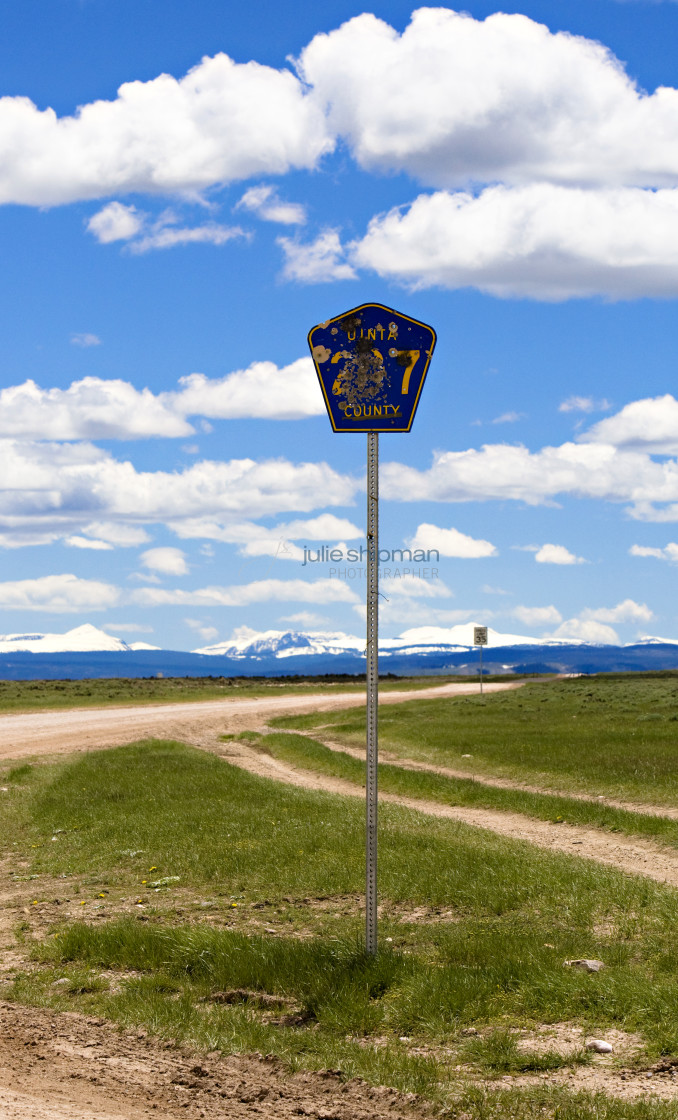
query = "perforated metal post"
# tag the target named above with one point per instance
(372, 690)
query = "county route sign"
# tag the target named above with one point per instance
(371, 363)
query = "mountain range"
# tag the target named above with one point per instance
(89, 652)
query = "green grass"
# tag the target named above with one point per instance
(157, 810)
(499, 1052)
(30, 695)
(306, 753)
(546, 1103)
(500, 919)
(602, 735)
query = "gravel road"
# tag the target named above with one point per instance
(59, 732)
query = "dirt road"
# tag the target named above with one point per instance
(59, 732)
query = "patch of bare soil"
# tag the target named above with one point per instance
(70, 1067)
(618, 1074)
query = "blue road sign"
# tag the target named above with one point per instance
(371, 363)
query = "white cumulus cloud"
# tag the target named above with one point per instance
(262, 391)
(592, 624)
(587, 630)
(626, 611)
(450, 101)
(88, 409)
(512, 472)
(538, 616)
(557, 554)
(650, 424)
(669, 552)
(454, 100)
(222, 122)
(583, 404)
(119, 535)
(88, 542)
(261, 540)
(542, 241)
(95, 408)
(264, 202)
(59, 594)
(169, 561)
(164, 236)
(450, 542)
(207, 633)
(316, 262)
(412, 586)
(56, 490)
(260, 591)
(115, 222)
(410, 610)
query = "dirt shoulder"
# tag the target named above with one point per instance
(64, 1066)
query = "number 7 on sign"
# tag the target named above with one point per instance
(408, 359)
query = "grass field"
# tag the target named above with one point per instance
(31, 695)
(614, 735)
(246, 886)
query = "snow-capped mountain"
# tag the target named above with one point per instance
(83, 639)
(247, 643)
(280, 644)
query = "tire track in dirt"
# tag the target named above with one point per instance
(634, 856)
(668, 811)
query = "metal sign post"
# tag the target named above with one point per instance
(371, 363)
(480, 639)
(372, 754)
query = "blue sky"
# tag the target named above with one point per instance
(185, 189)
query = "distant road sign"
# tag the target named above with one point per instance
(480, 635)
(371, 363)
